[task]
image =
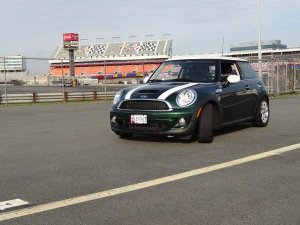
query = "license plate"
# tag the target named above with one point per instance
(138, 119)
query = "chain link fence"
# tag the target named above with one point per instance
(280, 75)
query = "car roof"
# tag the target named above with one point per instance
(215, 57)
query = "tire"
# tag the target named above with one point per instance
(205, 128)
(262, 114)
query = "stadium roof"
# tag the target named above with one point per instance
(117, 51)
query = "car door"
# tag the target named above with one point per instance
(253, 85)
(233, 96)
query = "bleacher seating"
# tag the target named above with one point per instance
(124, 49)
(161, 47)
(139, 69)
(148, 47)
(131, 48)
(113, 49)
(124, 59)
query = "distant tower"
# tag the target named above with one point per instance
(71, 43)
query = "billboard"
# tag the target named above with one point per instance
(71, 41)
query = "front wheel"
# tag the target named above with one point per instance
(262, 114)
(205, 129)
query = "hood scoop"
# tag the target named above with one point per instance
(147, 91)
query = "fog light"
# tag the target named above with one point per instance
(113, 119)
(182, 122)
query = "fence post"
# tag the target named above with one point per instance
(277, 79)
(286, 76)
(65, 96)
(94, 95)
(105, 80)
(273, 77)
(33, 97)
(294, 80)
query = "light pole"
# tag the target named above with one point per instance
(148, 36)
(259, 37)
(223, 46)
(167, 35)
(5, 81)
(131, 36)
(114, 38)
(100, 38)
(84, 39)
(63, 79)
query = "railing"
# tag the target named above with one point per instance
(55, 97)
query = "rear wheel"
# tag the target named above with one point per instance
(261, 117)
(205, 128)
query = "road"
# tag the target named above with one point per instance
(55, 152)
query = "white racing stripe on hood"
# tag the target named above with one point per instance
(167, 93)
(129, 93)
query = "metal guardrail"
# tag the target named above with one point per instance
(55, 97)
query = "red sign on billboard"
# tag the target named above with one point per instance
(71, 41)
(71, 37)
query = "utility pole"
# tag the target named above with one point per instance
(259, 37)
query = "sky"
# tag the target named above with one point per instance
(33, 28)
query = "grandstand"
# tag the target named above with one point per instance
(113, 60)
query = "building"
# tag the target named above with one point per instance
(248, 46)
(113, 60)
(288, 53)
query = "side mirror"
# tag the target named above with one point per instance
(233, 79)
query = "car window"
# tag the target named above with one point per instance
(247, 70)
(191, 71)
(228, 68)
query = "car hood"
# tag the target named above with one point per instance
(161, 90)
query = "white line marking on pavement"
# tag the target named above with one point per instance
(12, 203)
(146, 184)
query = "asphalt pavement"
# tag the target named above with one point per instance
(50, 153)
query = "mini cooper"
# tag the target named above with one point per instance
(192, 97)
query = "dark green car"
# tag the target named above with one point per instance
(192, 97)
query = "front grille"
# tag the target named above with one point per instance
(144, 105)
(150, 127)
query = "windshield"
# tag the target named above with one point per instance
(192, 71)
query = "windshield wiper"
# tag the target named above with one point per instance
(182, 79)
(154, 80)
(172, 80)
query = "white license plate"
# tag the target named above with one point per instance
(138, 119)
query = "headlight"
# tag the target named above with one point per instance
(186, 98)
(117, 97)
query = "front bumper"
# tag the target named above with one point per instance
(158, 122)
